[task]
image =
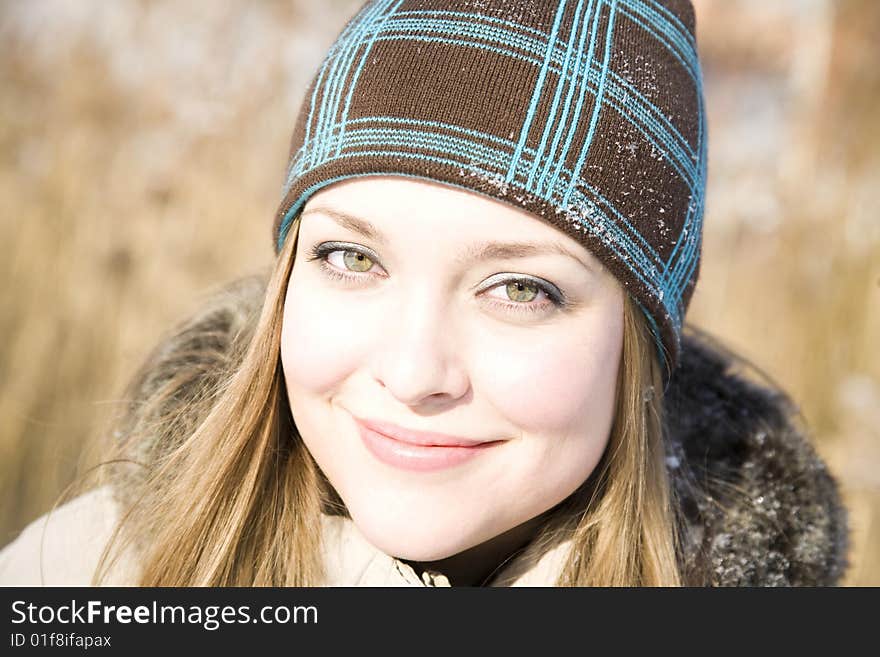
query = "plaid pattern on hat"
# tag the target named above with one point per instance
(587, 113)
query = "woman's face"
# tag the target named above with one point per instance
(417, 309)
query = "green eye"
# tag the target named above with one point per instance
(522, 291)
(356, 261)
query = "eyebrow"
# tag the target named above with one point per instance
(486, 251)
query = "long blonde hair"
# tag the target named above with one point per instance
(226, 493)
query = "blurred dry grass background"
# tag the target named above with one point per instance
(142, 148)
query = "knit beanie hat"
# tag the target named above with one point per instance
(586, 113)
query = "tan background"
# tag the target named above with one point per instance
(142, 149)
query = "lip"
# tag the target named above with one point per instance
(418, 450)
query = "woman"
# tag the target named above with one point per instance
(467, 366)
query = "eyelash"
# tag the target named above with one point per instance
(321, 251)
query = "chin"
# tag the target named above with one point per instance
(416, 549)
(415, 541)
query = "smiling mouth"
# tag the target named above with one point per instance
(418, 451)
(413, 437)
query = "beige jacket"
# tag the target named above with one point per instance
(63, 548)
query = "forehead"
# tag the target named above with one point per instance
(401, 208)
(422, 216)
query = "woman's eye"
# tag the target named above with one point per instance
(345, 262)
(524, 294)
(521, 291)
(351, 260)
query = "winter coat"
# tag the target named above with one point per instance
(760, 508)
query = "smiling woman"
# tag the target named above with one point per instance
(405, 327)
(468, 365)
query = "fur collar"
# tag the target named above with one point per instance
(758, 506)
(761, 507)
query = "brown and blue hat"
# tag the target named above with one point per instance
(587, 113)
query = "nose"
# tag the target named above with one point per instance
(418, 359)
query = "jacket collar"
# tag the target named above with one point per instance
(351, 560)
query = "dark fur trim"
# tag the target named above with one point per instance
(759, 506)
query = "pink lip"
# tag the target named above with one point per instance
(418, 450)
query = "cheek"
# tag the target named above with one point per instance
(322, 341)
(570, 379)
